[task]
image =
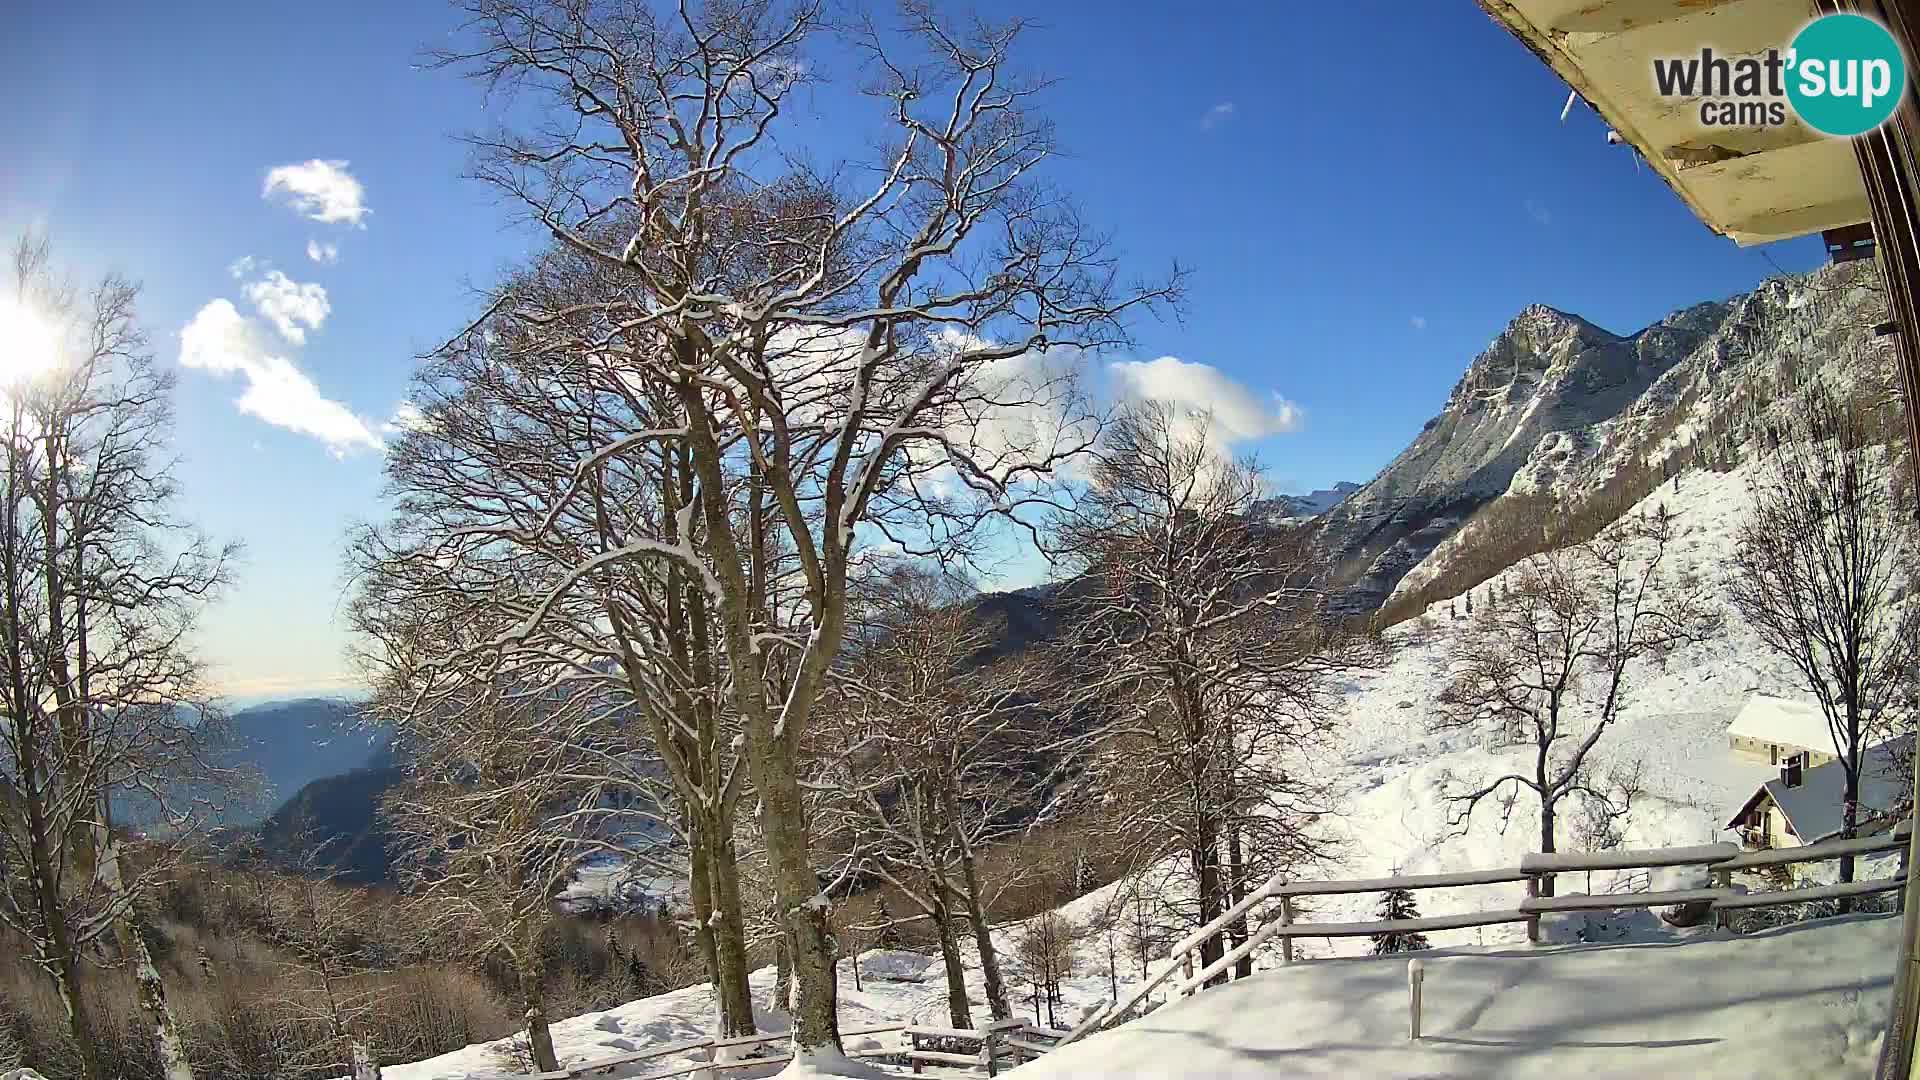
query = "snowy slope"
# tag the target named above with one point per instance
(1671, 732)
(896, 987)
(1806, 1001)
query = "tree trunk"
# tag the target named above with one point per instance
(1546, 843)
(803, 908)
(782, 976)
(1113, 966)
(1236, 892)
(539, 1035)
(772, 731)
(1206, 865)
(66, 977)
(1849, 824)
(154, 1007)
(64, 959)
(997, 1002)
(959, 1009)
(730, 941)
(700, 895)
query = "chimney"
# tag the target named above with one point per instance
(1791, 772)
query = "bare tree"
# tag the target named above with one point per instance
(1550, 660)
(844, 355)
(1044, 954)
(1198, 636)
(502, 477)
(941, 754)
(1822, 573)
(508, 798)
(100, 588)
(324, 927)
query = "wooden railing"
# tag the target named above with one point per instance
(999, 1045)
(713, 1049)
(1720, 860)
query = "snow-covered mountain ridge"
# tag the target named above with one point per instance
(1559, 410)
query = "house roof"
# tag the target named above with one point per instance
(1779, 720)
(1813, 807)
(1754, 184)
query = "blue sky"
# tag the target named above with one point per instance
(1365, 194)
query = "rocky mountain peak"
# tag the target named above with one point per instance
(1557, 404)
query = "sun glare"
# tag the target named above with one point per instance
(29, 345)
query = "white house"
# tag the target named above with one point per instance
(1803, 804)
(1773, 730)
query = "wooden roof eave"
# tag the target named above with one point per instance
(1816, 176)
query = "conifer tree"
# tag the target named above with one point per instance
(1399, 904)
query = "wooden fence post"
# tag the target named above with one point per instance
(1416, 974)
(1286, 919)
(1533, 922)
(1720, 879)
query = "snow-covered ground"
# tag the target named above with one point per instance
(1808, 1000)
(894, 987)
(1393, 773)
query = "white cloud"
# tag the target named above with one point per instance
(244, 265)
(1216, 116)
(323, 191)
(1239, 411)
(221, 341)
(323, 253)
(292, 307)
(1419, 322)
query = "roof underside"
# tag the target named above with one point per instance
(1754, 184)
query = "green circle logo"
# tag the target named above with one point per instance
(1846, 75)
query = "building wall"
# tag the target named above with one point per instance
(1767, 753)
(1778, 833)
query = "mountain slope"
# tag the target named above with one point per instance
(1558, 411)
(335, 821)
(1313, 503)
(290, 744)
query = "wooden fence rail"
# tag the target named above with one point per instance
(1002, 1044)
(1720, 861)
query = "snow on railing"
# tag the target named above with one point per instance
(1720, 860)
